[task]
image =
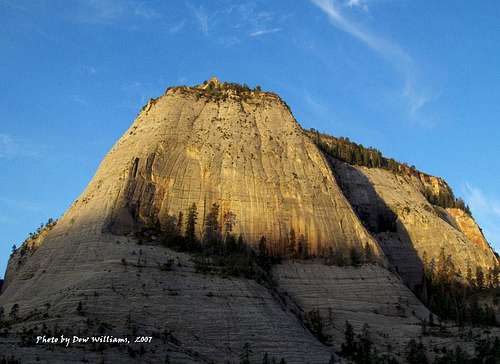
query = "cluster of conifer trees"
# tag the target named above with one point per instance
(356, 154)
(353, 153)
(359, 349)
(446, 200)
(218, 250)
(487, 351)
(216, 91)
(25, 246)
(353, 256)
(218, 240)
(452, 296)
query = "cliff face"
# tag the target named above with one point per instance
(243, 151)
(408, 227)
(469, 227)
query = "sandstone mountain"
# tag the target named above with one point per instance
(93, 272)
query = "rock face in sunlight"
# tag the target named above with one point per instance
(93, 273)
(409, 228)
(240, 149)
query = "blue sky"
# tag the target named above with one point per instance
(418, 80)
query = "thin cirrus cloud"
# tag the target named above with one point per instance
(261, 32)
(229, 25)
(177, 27)
(201, 17)
(357, 4)
(11, 147)
(414, 96)
(112, 11)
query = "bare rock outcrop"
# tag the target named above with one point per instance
(361, 295)
(470, 228)
(193, 317)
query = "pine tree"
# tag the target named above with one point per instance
(265, 359)
(450, 270)
(229, 220)
(442, 269)
(431, 319)
(415, 353)
(263, 247)
(292, 244)
(241, 244)
(468, 275)
(245, 355)
(355, 257)
(191, 227)
(211, 236)
(489, 278)
(300, 248)
(425, 262)
(364, 350)
(496, 273)
(14, 311)
(368, 253)
(179, 223)
(348, 347)
(479, 278)
(305, 246)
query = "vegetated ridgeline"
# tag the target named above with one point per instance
(222, 229)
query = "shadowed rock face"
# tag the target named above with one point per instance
(418, 227)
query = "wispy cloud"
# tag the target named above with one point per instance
(11, 147)
(317, 107)
(13, 5)
(89, 70)
(143, 11)
(111, 11)
(486, 209)
(176, 28)
(414, 96)
(201, 17)
(79, 100)
(229, 25)
(357, 4)
(261, 32)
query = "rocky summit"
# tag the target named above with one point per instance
(218, 230)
